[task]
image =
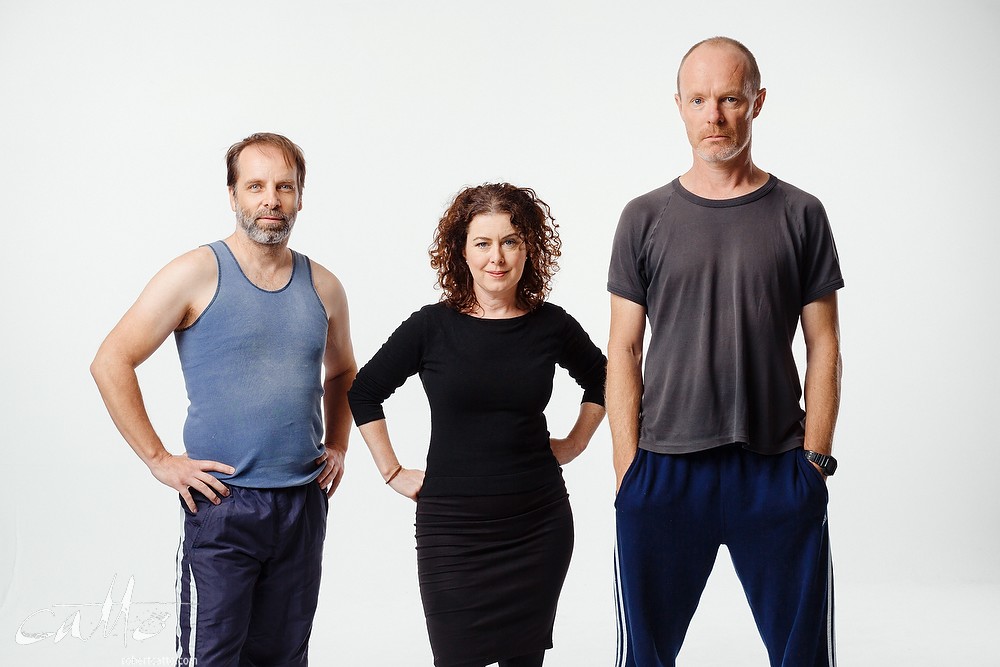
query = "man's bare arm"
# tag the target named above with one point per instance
(624, 387)
(340, 368)
(162, 307)
(821, 331)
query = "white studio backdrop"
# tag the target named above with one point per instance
(114, 119)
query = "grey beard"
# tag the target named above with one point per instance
(268, 236)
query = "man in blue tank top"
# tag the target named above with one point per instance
(711, 446)
(264, 342)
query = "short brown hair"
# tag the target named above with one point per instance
(293, 156)
(752, 74)
(529, 215)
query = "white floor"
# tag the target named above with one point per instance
(877, 625)
(906, 624)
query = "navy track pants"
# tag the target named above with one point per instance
(673, 511)
(248, 574)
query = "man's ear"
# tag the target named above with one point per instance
(758, 101)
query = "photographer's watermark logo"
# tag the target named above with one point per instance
(148, 619)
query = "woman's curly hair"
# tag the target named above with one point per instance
(529, 216)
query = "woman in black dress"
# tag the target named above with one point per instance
(494, 528)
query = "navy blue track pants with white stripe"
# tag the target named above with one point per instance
(248, 574)
(673, 512)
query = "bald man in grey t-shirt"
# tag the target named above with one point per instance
(711, 445)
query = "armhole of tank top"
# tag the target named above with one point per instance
(218, 287)
(312, 282)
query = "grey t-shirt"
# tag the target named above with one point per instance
(723, 283)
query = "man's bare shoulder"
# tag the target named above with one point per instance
(330, 289)
(325, 280)
(193, 267)
(182, 289)
(172, 299)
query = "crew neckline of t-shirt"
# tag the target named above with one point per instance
(726, 203)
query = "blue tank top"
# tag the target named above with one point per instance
(252, 365)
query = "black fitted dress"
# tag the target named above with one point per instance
(494, 528)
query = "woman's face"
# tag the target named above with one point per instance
(495, 254)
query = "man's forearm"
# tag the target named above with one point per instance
(822, 395)
(336, 411)
(623, 400)
(119, 387)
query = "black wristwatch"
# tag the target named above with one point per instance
(827, 464)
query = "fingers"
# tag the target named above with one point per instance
(206, 485)
(201, 487)
(333, 471)
(408, 483)
(209, 487)
(188, 500)
(335, 484)
(329, 473)
(215, 466)
(217, 486)
(186, 476)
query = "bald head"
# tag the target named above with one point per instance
(751, 74)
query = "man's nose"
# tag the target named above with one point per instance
(715, 116)
(271, 198)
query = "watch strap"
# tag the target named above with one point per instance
(826, 463)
